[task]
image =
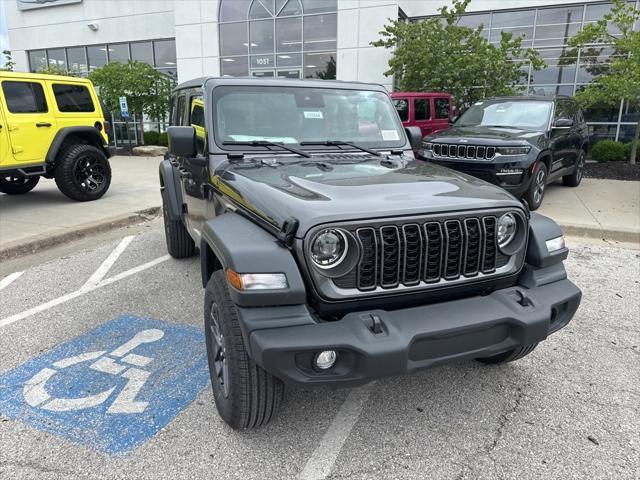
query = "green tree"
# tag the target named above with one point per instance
(619, 79)
(57, 70)
(8, 61)
(148, 91)
(438, 54)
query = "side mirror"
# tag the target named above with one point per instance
(563, 123)
(415, 137)
(182, 141)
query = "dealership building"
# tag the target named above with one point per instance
(293, 39)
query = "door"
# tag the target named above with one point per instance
(563, 138)
(194, 171)
(442, 113)
(5, 149)
(422, 115)
(30, 122)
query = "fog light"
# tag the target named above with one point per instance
(326, 359)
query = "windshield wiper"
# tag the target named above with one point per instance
(267, 143)
(337, 143)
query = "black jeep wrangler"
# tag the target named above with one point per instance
(331, 256)
(518, 143)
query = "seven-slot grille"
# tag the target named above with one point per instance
(425, 252)
(475, 152)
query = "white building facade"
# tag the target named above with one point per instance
(287, 38)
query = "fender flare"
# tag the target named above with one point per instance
(170, 189)
(236, 243)
(85, 131)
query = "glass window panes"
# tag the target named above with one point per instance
(320, 65)
(601, 132)
(289, 34)
(292, 7)
(142, 52)
(77, 60)
(236, 66)
(37, 60)
(402, 106)
(320, 32)
(165, 53)
(441, 107)
(57, 58)
(597, 11)
(518, 18)
(554, 73)
(97, 56)
(551, 90)
(261, 36)
(119, 52)
(24, 97)
(627, 133)
(289, 60)
(232, 10)
(630, 112)
(527, 32)
(550, 16)
(421, 109)
(551, 35)
(262, 61)
(258, 10)
(72, 98)
(602, 113)
(473, 21)
(233, 38)
(318, 6)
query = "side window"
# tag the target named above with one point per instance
(421, 109)
(402, 106)
(442, 108)
(73, 98)
(180, 109)
(24, 97)
(562, 110)
(196, 120)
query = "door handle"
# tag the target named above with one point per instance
(43, 124)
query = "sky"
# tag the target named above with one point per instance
(4, 36)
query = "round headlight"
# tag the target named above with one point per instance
(507, 227)
(328, 248)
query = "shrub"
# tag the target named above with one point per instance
(609, 151)
(627, 151)
(151, 138)
(162, 139)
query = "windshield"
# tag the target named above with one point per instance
(526, 115)
(293, 115)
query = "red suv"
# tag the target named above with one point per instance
(428, 110)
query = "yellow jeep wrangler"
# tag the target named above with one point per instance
(54, 127)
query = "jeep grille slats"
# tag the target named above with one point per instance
(474, 152)
(431, 252)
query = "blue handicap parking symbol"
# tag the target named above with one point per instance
(112, 388)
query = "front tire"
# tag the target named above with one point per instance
(509, 355)
(83, 172)
(535, 193)
(246, 396)
(575, 178)
(17, 184)
(179, 242)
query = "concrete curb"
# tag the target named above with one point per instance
(601, 233)
(19, 248)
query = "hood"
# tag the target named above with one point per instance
(314, 192)
(486, 135)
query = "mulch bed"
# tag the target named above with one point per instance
(613, 171)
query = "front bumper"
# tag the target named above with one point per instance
(511, 173)
(411, 339)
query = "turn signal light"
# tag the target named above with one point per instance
(257, 281)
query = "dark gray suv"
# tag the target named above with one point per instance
(518, 143)
(330, 255)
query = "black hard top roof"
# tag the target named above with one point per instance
(278, 82)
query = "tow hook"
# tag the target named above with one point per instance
(373, 323)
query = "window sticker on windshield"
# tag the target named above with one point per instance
(389, 135)
(315, 114)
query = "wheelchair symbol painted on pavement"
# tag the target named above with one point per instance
(131, 367)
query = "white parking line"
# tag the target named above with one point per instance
(9, 279)
(104, 268)
(322, 460)
(70, 296)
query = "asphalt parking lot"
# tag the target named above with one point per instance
(79, 318)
